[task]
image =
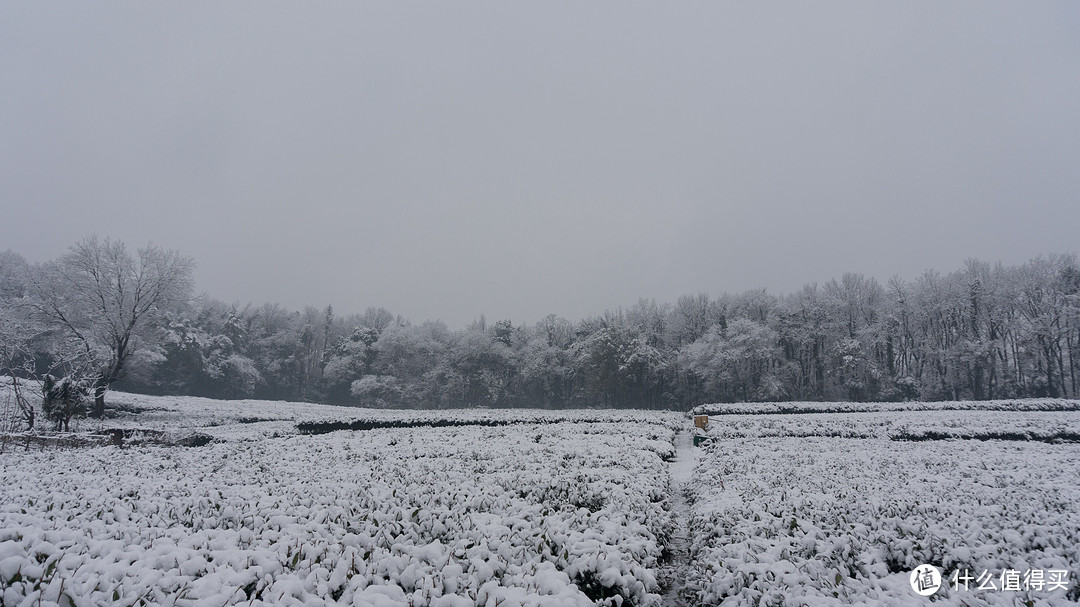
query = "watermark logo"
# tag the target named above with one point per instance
(1012, 580)
(925, 580)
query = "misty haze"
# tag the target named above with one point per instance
(609, 304)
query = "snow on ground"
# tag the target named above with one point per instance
(555, 513)
(673, 573)
(903, 425)
(1020, 404)
(793, 510)
(178, 416)
(526, 507)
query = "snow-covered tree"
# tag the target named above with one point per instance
(19, 332)
(110, 303)
(736, 363)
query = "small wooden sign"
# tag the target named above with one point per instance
(701, 421)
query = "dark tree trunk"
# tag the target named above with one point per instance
(99, 401)
(977, 379)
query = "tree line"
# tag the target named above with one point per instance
(104, 318)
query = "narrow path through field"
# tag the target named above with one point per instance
(673, 571)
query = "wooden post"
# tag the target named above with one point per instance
(701, 425)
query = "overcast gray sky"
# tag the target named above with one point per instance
(518, 159)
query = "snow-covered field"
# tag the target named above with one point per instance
(558, 513)
(525, 507)
(1022, 404)
(904, 425)
(839, 508)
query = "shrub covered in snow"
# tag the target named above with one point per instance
(765, 408)
(525, 514)
(905, 425)
(787, 511)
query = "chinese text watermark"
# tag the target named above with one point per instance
(927, 580)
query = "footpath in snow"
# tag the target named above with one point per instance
(673, 572)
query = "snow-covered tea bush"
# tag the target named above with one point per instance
(229, 419)
(806, 407)
(904, 425)
(525, 514)
(786, 511)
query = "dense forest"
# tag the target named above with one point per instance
(982, 331)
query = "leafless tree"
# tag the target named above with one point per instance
(109, 303)
(19, 332)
